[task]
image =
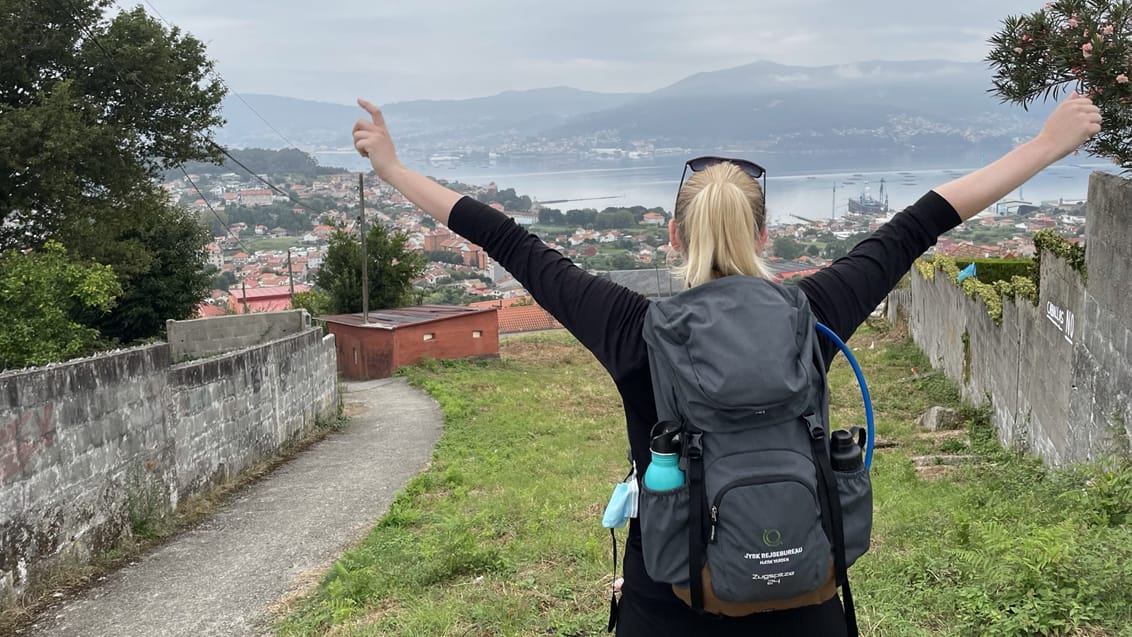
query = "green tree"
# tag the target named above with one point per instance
(41, 294)
(584, 218)
(222, 280)
(316, 302)
(443, 256)
(788, 248)
(392, 268)
(614, 219)
(171, 283)
(551, 217)
(621, 261)
(95, 110)
(76, 86)
(446, 295)
(510, 200)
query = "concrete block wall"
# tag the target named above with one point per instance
(1058, 375)
(236, 409)
(89, 448)
(199, 338)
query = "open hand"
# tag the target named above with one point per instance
(1072, 123)
(372, 140)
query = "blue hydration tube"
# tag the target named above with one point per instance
(871, 427)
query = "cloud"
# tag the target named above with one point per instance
(453, 48)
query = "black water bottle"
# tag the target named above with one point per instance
(844, 452)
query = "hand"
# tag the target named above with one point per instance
(371, 139)
(1071, 124)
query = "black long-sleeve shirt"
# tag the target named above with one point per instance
(608, 318)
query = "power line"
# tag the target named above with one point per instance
(215, 214)
(224, 151)
(231, 90)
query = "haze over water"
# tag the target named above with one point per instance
(805, 193)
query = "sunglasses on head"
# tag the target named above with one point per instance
(697, 164)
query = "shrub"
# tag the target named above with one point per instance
(1082, 45)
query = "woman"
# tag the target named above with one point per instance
(719, 226)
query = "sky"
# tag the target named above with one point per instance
(396, 50)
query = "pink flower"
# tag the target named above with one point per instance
(1122, 79)
(1026, 38)
(1073, 23)
(1087, 49)
(1017, 49)
(1108, 29)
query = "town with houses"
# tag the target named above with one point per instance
(264, 279)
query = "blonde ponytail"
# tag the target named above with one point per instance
(719, 215)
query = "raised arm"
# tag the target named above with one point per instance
(604, 316)
(843, 294)
(1072, 123)
(372, 140)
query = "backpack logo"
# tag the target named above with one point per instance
(772, 537)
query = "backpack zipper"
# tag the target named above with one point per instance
(747, 482)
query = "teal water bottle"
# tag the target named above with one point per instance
(664, 473)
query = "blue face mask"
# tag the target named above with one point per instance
(622, 504)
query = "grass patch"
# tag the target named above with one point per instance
(501, 534)
(272, 244)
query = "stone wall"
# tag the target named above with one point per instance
(1058, 375)
(94, 449)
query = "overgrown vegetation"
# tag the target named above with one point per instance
(1007, 278)
(991, 270)
(41, 295)
(502, 535)
(991, 294)
(1048, 240)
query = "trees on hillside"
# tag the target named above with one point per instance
(95, 109)
(287, 161)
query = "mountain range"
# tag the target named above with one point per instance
(851, 108)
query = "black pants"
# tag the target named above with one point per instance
(642, 617)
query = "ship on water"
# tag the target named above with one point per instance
(866, 204)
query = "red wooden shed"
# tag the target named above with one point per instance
(391, 339)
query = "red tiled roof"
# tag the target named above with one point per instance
(271, 292)
(205, 310)
(525, 318)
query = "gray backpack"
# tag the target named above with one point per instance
(762, 522)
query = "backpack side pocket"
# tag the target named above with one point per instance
(664, 534)
(855, 490)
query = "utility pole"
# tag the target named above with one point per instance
(365, 259)
(833, 209)
(244, 293)
(290, 276)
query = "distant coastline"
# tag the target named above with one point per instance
(796, 192)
